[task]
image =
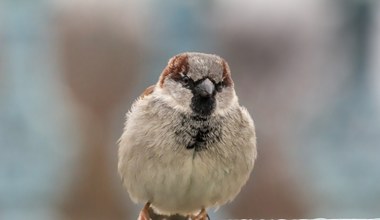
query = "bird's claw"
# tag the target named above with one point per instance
(201, 216)
(144, 214)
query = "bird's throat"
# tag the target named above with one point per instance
(203, 106)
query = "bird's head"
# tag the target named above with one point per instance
(197, 83)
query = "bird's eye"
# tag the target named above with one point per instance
(219, 87)
(185, 80)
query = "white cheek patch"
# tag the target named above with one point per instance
(176, 96)
(225, 100)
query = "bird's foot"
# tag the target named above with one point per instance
(144, 214)
(201, 216)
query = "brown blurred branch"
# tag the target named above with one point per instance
(155, 216)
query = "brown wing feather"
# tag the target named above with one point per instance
(148, 91)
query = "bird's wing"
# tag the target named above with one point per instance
(147, 91)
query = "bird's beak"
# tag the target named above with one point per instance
(206, 88)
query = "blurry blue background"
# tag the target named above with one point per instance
(308, 71)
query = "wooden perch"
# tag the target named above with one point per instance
(155, 216)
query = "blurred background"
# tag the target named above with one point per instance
(308, 72)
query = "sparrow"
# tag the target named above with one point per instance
(187, 144)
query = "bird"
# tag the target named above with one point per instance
(187, 144)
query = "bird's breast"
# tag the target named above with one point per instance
(197, 133)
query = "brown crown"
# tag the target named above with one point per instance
(178, 64)
(227, 80)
